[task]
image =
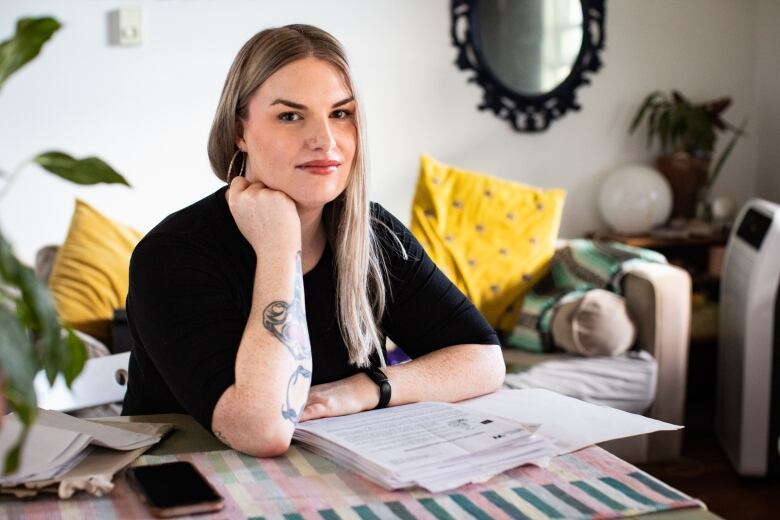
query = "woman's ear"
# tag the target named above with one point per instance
(239, 137)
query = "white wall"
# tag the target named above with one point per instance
(767, 127)
(147, 110)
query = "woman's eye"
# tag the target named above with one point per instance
(342, 114)
(289, 116)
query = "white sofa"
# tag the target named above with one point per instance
(658, 297)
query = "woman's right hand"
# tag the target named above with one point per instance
(267, 218)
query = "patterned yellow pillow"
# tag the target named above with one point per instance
(492, 237)
(90, 275)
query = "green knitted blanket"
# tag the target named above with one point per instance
(578, 267)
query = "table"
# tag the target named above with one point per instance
(300, 484)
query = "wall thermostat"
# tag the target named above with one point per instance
(125, 26)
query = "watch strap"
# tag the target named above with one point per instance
(379, 377)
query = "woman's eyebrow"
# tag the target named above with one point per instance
(298, 106)
(343, 102)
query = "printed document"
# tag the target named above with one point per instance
(571, 423)
(441, 446)
(435, 445)
(57, 442)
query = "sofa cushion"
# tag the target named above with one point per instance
(90, 276)
(595, 324)
(492, 237)
(626, 382)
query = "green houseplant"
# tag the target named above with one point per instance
(31, 335)
(687, 133)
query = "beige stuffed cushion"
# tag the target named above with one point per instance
(596, 324)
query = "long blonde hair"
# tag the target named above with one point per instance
(360, 300)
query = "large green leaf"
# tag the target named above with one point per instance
(9, 265)
(38, 314)
(75, 356)
(45, 323)
(12, 457)
(17, 357)
(18, 364)
(90, 170)
(31, 34)
(26, 412)
(34, 324)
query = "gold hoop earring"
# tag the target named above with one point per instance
(230, 167)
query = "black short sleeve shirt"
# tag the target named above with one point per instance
(191, 282)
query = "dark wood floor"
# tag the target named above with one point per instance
(703, 471)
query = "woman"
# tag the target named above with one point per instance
(268, 302)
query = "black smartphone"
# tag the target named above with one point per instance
(175, 488)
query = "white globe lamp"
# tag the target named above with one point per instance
(634, 199)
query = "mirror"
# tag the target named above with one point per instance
(531, 45)
(529, 56)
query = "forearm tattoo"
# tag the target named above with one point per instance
(300, 376)
(287, 322)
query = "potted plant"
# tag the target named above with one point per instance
(687, 133)
(31, 335)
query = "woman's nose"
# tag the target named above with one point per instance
(321, 136)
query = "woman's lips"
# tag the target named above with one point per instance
(320, 167)
(319, 170)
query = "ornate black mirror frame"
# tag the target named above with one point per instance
(527, 113)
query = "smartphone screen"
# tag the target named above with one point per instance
(175, 487)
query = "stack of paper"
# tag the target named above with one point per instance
(438, 446)
(58, 442)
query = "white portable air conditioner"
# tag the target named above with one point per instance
(748, 415)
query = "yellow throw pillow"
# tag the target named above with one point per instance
(492, 237)
(91, 272)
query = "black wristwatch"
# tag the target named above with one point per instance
(379, 377)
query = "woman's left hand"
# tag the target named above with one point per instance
(343, 397)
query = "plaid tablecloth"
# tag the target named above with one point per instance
(590, 483)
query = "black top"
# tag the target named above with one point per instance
(191, 282)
